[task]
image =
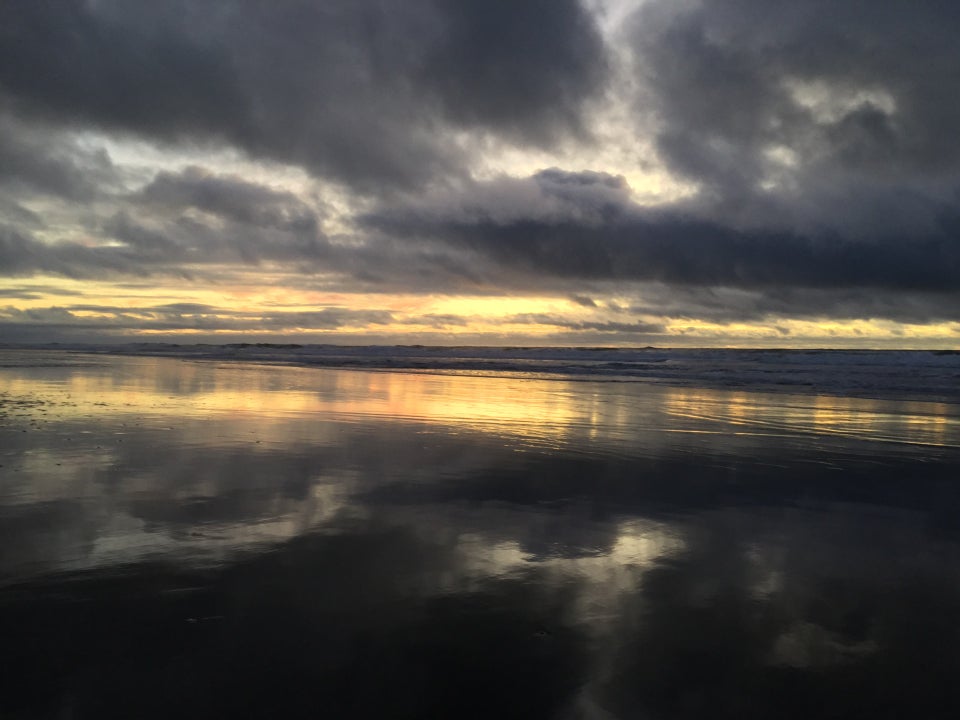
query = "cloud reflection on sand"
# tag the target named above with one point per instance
(163, 455)
(629, 542)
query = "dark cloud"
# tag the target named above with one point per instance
(358, 91)
(34, 292)
(188, 316)
(37, 160)
(116, 64)
(439, 321)
(199, 317)
(230, 198)
(605, 326)
(16, 213)
(580, 230)
(196, 249)
(208, 323)
(815, 114)
(21, 254)
(816, 139)
(615, 240)
(198, 225)
(727, 304)
(519, 68)
(178, 222)
(193, 251)
(185, 308)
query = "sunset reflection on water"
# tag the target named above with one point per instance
(618, 537)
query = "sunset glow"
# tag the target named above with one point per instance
(633, 173)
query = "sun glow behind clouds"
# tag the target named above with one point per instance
(621, 145)
(143, 311)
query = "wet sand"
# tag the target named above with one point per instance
(207, 539)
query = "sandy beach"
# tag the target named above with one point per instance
(212, 539)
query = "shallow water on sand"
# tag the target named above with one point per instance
(205, 539)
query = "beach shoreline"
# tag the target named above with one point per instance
(206, 538)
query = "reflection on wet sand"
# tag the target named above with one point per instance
(921, 423)
(208, 540)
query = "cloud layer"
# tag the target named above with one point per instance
(466, 148)
(364, 92)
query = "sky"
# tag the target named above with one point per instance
(746, 173)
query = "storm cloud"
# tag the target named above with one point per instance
(819, 114)
(583, 225)
(361, 91)
(641, 163)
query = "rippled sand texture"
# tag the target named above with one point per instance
(204, 539)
